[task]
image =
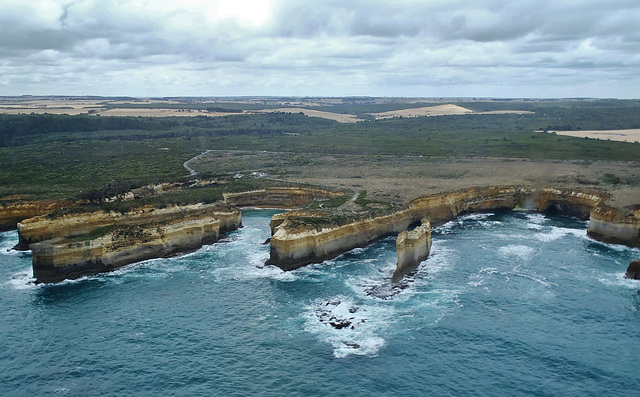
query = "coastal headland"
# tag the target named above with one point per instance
(72, 245)
(90, 193)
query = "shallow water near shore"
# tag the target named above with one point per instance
(507, 304)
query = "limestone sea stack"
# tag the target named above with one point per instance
(75, 245)
(303, 238)
(412, 247)
(46, 227)
(118, 245)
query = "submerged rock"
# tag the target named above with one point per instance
(633, 271)
(339, 315)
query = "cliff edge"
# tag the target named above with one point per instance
(295, 243)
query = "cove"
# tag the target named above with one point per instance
(506, 304)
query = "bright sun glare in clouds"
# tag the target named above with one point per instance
(251, 12)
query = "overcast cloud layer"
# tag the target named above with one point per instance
(486, 48)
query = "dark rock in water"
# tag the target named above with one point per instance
(339, 323)
(633, 271)
(339, 315)
(385, 291)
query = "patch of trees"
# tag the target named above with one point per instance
(15, 129)
(113, 189)
(214, 109)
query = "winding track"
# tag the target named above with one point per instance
(186, 163)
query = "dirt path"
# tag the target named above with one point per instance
(188, 162)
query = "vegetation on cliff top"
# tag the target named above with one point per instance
(59, 156)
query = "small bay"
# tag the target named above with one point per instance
(506, 304)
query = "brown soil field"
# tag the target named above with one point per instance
(75, 106)
(400, 179)
(159, 113)
(613, 135)
(439, 110)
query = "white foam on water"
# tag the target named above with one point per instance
(437, 303)
(348, 327)
(475, 217)
(541, 280)
(447, 228)
(437, 261)
(555, 233)
(536, 219)
(357, 251)
(534, 226)
(22, 281)
(478, 279)
(8, 240)
(150, 268)
(618, 280)
(614, 247)
(518, 251)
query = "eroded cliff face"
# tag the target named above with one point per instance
(42, 228)
(67, 258)
(441, 208)
(278, 197)
(412, 247)
(292, 247)
(614, 225)
(13, 213)
(75, 245)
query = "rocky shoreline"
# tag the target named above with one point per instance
(74, 245)
(293, 245)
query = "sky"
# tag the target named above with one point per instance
(399, 48)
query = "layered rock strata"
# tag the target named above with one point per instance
(292, 247)
(615, 226)
(75, 245)
(442, 208)
(42, 228)
(412, 247)
(279, 197)
(13, 213)
(67, 258)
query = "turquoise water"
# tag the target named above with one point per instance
(507, 304)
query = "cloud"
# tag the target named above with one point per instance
(320, 47)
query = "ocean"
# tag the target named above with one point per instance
(507, 304)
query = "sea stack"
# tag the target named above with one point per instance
(412, 248)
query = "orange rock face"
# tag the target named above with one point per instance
(13, 213)
(66, 258)
(278, 197)
(295, 247)
(75, 245)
